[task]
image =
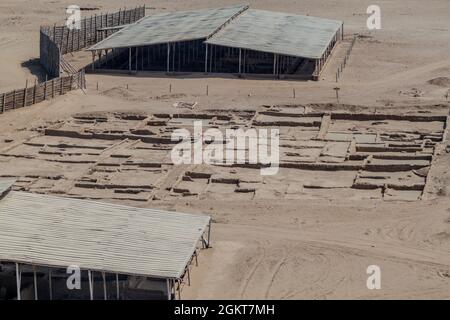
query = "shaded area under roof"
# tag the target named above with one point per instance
(170, 27)
(280, 33)
(59, 232)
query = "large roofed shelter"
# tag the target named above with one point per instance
(234, 39)
(41, 233)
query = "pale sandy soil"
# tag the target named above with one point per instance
(282, 249)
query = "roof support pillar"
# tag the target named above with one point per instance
(169, 290)
(50, 284)
(117, 287)
(206, 58)
(105, 294)
(93, 60)
(129, 60)
(240, 60)
(168, 57)
(274, 64)
(137, 53)
(18, 280)
(35, 283)
(91, 284)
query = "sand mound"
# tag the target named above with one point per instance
(440, 81)
(117, 92)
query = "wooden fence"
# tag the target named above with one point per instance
(41, 91)
(56, 41)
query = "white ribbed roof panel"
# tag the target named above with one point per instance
(280, 33)
(170, 27)
(59, 232)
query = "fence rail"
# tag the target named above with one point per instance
(41, 91)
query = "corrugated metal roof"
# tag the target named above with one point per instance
(170, 27)
(281, 33)
(59, 232)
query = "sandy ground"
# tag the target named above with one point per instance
(283, 249)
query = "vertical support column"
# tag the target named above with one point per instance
(129, 60)
(168, 57)
(91, 284)
(137, 61)
(206, 59)
(169, 290)
(18, 281)
(105, 294)
(240, 60)
(35, 283)
(274, 64)
(50, 284)
(117, 287)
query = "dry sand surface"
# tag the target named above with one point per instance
(308, 232)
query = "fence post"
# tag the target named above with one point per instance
(25, 94)
(14, 99)
(45, 90)
(53, 88)
(34, 91)
(4, 102)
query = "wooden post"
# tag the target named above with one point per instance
(53, 87)
(45, 88)
(85, 33)
(207, 90)
(25, 94)
(67, 40)
(14, 100)
(4, 102)
(95, 28)
(34, 91)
